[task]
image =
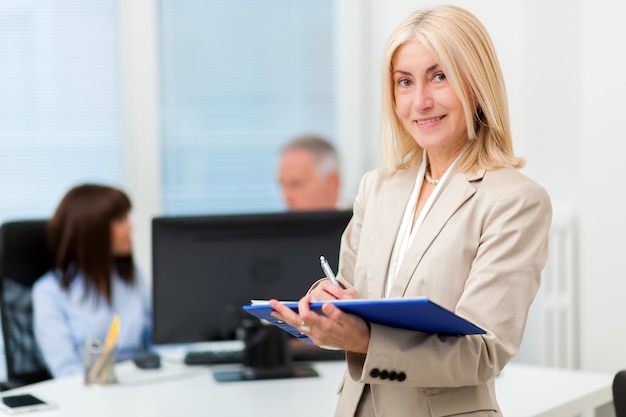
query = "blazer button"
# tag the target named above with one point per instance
(384, 374)
(401, 376)
(393, 375)
(375, 373)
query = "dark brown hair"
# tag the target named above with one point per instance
(79, 235)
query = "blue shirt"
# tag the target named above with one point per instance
(65, 319)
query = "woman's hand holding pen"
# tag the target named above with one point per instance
(330, 289)
(326, 290)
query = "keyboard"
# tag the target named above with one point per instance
(213, 357)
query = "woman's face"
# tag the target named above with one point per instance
(121, 229)
(425, 102)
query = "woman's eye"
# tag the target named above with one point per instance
(404, 82)
(439, 77)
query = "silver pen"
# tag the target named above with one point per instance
(329, 272)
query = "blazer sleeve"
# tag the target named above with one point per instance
(503, 279)
(351, 237)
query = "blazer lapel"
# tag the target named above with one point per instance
(458, 190)
(392, 201)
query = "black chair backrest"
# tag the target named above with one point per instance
(24, 257)
(619, 394)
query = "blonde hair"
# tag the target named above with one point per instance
(463, 49)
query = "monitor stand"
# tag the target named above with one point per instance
(266, 356)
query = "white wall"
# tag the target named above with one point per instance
(601, 187)
(138, 27)
(563, 63)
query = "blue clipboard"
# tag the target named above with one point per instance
(406, 313)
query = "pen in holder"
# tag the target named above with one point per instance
(99, 359)
(99, 365)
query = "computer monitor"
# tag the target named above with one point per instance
(205, 268)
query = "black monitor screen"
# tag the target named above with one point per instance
(205, 268)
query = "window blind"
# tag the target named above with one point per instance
(59, 101)
(238, 79)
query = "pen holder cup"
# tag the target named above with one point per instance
(99, 365)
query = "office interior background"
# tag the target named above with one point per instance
(185, 104)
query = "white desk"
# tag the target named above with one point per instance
(177, 390)
(525, 391)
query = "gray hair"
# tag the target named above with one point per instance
(324, 153)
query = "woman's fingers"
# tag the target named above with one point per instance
(333, 327)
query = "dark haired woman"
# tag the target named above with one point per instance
(92, 280)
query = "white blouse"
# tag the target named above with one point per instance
(405, 233)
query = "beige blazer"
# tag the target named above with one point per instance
(479, 252)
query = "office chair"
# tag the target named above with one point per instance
(24, 257)
(619, 394)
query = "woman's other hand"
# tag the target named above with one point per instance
(333, 328)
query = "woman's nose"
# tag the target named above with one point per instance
(423, 99)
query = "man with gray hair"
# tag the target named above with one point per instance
(309, 174)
